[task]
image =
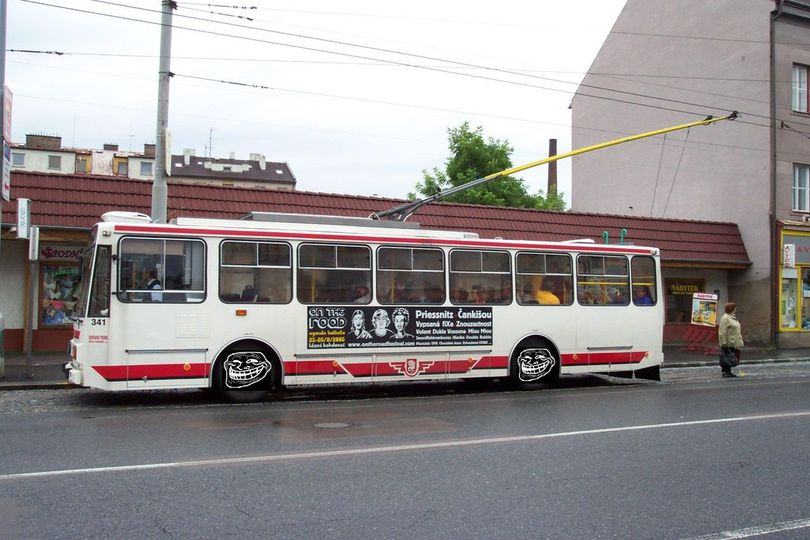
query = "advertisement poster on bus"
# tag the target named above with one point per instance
(704, 309)
(339, 327)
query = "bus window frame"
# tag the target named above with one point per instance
(628, 299)
(653, 287)
(443, 271)
(297, 265)
(93, 272)
(572, 276)
(118, 259)
(510, 272)
(292, 268)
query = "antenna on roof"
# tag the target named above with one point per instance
(404, 211)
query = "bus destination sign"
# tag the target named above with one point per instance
(337, 327)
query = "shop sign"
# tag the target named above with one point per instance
(704, 309)
(684, 288)
(55, 252)
(789, 256)
(23, 217)
(802, 244)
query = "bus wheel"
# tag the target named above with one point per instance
(535, 362)
(244, 374)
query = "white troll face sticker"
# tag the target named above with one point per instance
(534, 364)
(244, 369)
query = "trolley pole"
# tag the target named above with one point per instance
(159, 188)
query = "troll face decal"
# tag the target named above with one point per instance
(244, 369)
(534, 364)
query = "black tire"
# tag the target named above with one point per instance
(541, 366)
(238, 365)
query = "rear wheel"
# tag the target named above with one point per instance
(245, 373)
(535, 361)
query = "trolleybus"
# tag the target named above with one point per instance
(250, 306)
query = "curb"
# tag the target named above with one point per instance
(708, 363)
(34, 385)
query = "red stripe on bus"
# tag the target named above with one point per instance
(153, 371)
(313, 367)
(378, 239)
(603, 358)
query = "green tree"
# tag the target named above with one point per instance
(472, 157)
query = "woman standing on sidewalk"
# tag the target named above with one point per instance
(730, 335)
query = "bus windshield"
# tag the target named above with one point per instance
(95, 285)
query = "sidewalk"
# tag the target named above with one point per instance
(46, 368)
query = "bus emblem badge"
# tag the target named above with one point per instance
(411, 367)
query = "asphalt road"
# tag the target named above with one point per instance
(598, 457)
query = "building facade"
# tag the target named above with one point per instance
(667, 63)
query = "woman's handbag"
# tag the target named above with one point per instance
(729, 358)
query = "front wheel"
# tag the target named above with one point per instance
(535, 363)
(244, 376)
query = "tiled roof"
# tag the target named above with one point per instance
(78, 201)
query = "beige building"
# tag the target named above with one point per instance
(667, 63)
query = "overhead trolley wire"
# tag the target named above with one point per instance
(454, 62)
(407, 64)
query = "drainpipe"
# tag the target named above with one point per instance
(775, 266)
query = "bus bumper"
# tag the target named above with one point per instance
(74, 375)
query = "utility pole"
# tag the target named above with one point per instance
(552, 170)
(159, 188)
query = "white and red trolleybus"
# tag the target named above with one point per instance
(273, 300)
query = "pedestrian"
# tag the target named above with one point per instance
(730, 336)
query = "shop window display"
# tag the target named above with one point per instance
(59, 295)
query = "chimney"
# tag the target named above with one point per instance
(262, 162)
(232, 155)
(43, 142)
(110, 146)
(149, 150)
(254, 156)
(187, 153)
(552, 169)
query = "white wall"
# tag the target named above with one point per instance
(135, 168)
(12, 282)
(37, 161)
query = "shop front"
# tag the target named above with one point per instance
(794, 288)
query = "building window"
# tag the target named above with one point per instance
(17, 159)
(82, 165)
(146, 168)
(801, 188)
(55, 162)
(679, 298)
(122, 168)
(799, 88)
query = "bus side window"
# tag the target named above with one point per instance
(544, 278)
(334, 274)
(487, 275)
(161, 270)
(255, 272)
(603, 279)
(642, 270)
(410, 275)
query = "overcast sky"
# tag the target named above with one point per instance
(380, 125)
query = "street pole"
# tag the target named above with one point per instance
(3, 6)
(159, 188)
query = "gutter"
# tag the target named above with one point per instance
(775, 268)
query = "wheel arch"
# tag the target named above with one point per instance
(535, 336)
(247, 340)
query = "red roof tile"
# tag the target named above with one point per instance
(79, 201)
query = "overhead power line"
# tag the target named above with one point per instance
(408, 64)
(454, 62)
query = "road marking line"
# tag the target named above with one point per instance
(396, 448)
(757, 531)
